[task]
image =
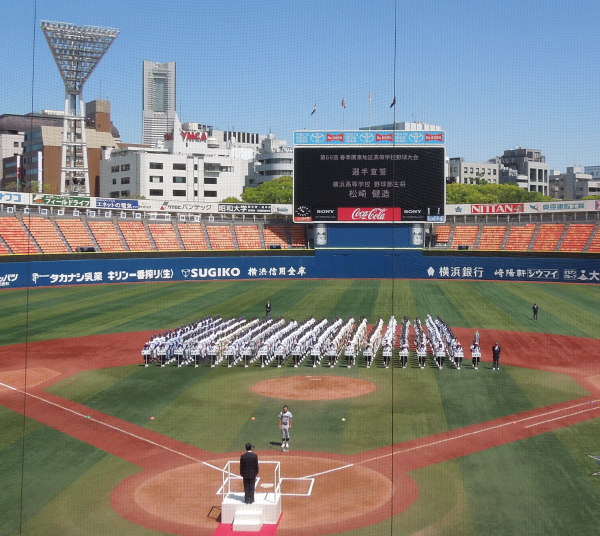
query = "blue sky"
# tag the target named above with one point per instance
(493, 74)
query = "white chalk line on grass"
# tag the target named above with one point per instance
(562, 417)
(116, 428)
(467, 434)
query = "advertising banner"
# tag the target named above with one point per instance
(60, 200)
(369, 137)
(15, 198)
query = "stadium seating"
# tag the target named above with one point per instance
(220, 237)
(247, 237)
(164, 236)
(577, 236)
(275, 235)
(465, 235)
(75, 233)
(442, 234)
(192, 236)
(594, 246)
(136, 236)
(15, 236)
(520, 237)
(106, 236)
(548, 236)
(492, 237)
(298, 237)
(44, 233)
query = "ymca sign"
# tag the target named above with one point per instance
(188, 135)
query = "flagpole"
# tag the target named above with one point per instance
(369, 107)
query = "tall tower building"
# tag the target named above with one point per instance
(158, 98)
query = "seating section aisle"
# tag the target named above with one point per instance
(298, 237)
(75, 233)
(136, 236)
(45, 235)
(15, 236)
(164, 236)
(520, 237)
(465, 235)
(247, 237)
(192, 236)
(275, 235)
(577, 236)
(106, 235)
(3, 250)
(594, 246)
(220, 237)
(442, 234)
(548, 236)
(492, 237)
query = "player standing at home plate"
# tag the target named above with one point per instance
(285, 423)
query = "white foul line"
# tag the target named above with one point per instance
(89, 418)
(484, 430)
(329, 471)
(562, 417)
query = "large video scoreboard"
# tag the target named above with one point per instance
(369, 184)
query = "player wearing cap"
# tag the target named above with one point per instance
(285, 423)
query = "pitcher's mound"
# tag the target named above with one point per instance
(314, 388)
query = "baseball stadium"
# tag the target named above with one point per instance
(100, 437)
(358, 354)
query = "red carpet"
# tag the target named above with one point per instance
(227, 529)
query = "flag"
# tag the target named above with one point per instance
(343, 102)
(314, 109)
(369, 94)
(393, 102)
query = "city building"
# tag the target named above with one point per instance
(526, 167)
(594, 171)
(463, 172)
(12, 136)
(272, 160)
(418, 125)
(42, 149)
(574, 184)
(158, 100)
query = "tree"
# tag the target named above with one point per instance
(491, 193)
(46, 188)
(277, 191)
(231, 199)
(591, 197)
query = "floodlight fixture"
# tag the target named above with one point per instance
(77, 50)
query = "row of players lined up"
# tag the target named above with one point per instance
(214, 340)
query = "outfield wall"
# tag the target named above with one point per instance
(327, 263)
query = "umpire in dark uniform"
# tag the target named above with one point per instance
(249, 470)
(496, 356)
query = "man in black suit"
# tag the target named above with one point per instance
(249, 470)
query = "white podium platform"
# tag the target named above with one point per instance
(266, 508)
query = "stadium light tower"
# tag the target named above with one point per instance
(76, 50)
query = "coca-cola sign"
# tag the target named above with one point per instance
(373, 214)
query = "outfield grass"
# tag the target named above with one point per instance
(536, 486)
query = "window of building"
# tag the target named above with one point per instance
(179, 180)
(180, 167)
(489, 171)
(195, 180)
(156, 165)
(210, 193)
(471, 170)
(494, 171)
(195, 167)
(156, 178)
(156, 192)
(125, 193)
(15, 144)
(114, 181)
(210, 180)
(124, 180)
(195, 193)
(113, 194)
(114, 169)
(125, 167)
(179, 193)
